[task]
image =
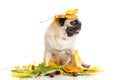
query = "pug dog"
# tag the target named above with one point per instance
(60, 39)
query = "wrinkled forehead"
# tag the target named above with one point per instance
(70, 20)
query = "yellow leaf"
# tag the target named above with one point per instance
(69, 68)
(77, 59)
(52, 64)
(70, 13)
(95, 69)
(25, 74)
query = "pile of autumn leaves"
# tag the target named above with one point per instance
(53, 69)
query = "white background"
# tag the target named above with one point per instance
(22, 34)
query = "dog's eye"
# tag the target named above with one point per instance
(62, 21)
(74, 22)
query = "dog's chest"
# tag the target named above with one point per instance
(61, 44)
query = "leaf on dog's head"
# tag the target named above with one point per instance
(70, 13)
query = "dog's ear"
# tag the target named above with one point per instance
(61, 21)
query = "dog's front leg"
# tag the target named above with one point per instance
(47, 57)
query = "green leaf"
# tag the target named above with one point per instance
(46, 68)
(41, 65)
(18, 71)
(14, 70)
(60, 67)
(48, 72)
(25, 76)
(68, 74)
(86, 73)
(43, 70)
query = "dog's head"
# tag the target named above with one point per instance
(68, 22)
(71, 26)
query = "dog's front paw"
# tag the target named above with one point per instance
(86, 65)
(46, 64)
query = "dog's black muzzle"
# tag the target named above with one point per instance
(74, 29)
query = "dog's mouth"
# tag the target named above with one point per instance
(77, 31)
